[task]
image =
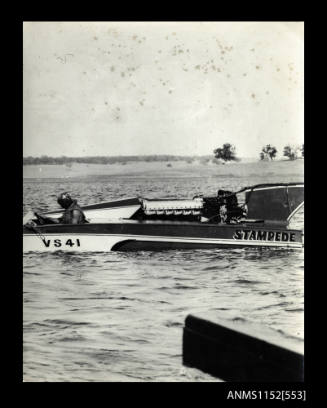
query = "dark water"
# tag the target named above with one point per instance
(119, 316)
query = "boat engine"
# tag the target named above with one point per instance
(224, 208)
(178, 210)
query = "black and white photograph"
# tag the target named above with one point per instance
(163, 202)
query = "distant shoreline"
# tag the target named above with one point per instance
(111, 159)
(64, 160)
(169, 169)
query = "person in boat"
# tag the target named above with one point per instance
(73, 213)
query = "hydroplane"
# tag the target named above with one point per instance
(255, 216)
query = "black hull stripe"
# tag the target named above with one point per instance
(199, 228)
(134, 245)
(170, 231)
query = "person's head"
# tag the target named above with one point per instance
(65, 200)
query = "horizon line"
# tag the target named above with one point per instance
(128, 155)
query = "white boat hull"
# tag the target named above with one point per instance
(106, 242)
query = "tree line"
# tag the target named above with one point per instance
(292, 152)
(223, 154)
(228, 152)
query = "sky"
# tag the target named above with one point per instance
(146, 88)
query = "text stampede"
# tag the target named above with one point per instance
(262, 235)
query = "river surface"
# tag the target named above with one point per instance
(119, 316)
